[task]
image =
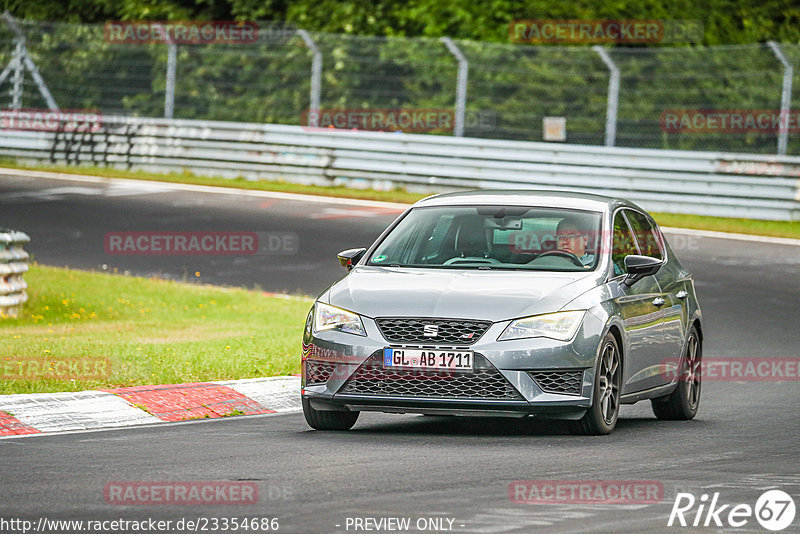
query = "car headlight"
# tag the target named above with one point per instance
(327, 317)
(561, 326)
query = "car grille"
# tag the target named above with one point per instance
(318, 372)
(450, 331)
(484, 382)
(563, 382)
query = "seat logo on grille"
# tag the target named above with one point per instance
(430, 330)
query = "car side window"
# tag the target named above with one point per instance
(645, 234)
(623, 244)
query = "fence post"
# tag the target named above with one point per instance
(23, 59)
(169, 93)
(316, 77)
(461, 86)
(19, 76)
(786, 97)
(613, 96)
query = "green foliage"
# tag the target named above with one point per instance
(725, 21)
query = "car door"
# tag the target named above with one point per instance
(672, 284)
(641, 313)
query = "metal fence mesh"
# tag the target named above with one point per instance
(510, 88)
(722, 78)
(385, 73)
(520, 85)
(264, 82)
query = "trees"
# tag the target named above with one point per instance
(725, 21)
(513, 85)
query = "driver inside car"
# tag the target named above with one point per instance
(571, 238)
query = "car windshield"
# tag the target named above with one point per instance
(492, 237)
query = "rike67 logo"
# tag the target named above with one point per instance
(774, 510)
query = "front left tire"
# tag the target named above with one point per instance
(602, 417)
(326, 420)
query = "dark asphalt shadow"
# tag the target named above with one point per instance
(431, 426)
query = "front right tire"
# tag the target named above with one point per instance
(326, 420)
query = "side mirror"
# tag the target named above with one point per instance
(639, 267)
(348, 258)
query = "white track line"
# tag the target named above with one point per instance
(128, 182)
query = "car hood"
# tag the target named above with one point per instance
(464, 294)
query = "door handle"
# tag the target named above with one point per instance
(658, 301)
(682, 294)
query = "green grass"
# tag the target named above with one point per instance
(699, 222)
(150, 331)
(724, 224)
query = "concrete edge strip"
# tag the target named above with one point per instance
(731, 235)
(285, 296)
(160, 424)
(42, 413)
(194, 400)
(82, 410)
(279, 394)
(131, 182)
(11, 426)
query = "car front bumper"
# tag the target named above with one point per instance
(529, 368)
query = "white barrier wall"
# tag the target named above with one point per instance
(706, 183)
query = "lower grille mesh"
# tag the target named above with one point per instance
(563, 382)
(318, 372)
(484, 382)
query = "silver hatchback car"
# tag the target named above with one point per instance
(507, 303)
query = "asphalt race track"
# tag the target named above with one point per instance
(744, 441)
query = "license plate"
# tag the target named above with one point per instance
(428, 359)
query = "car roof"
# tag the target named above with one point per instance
(527, 197)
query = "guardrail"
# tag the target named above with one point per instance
(706, 183)
(13, 264)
